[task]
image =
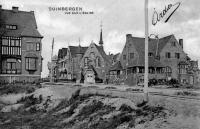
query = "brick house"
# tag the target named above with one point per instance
(114, 58)
(20, 46)
(166, 60)
(69, 62)
(61, 63)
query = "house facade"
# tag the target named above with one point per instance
(69, 62)
(96, 60)
(53, 68)
(167, 60)
(20, 46)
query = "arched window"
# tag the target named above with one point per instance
(168, 71)
(86, 61)
(98, 62)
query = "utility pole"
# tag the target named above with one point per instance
(146, 52)
(51, 75)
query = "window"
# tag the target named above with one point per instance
(173, 44)
(131, 55)
(11, 27)
(11, 68)
(124, 57)
(168, 71)
(182, 69)
(31, 63)
(168, 55)
(177, 55)
(86, 61)
(5, 42)
(98, 62)
(160, 70)
(11, 46)
(151, 70)
(141, 70)
(150, 54)
(37, 46)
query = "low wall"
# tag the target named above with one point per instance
(19, 78)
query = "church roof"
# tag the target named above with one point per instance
(77, 50)
(103, 54)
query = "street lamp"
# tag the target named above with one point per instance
(51, 76)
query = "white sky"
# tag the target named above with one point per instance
(119, 17)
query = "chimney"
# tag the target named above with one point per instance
(128, 37)
(15, 9)
(181, 43)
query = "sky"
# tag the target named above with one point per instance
(119, 17)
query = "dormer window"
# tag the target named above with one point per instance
(11, 27)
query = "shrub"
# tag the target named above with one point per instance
(30, 100)
(152, 82)
(30, 90)
(90, 109)
(125, 107)
(109, 87)
(186, 93)
(172, 81)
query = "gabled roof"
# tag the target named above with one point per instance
(62, 53)
(77, 50)
(31, 31)
(114, 56)
(103, 54)
(116, 66)
(25, 21)
(154, 46)
(139, 43)
(163, 41)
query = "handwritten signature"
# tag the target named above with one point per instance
(157, 17)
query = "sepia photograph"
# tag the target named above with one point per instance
(99, 64)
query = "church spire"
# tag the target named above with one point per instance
(101, 37)
(79, 46)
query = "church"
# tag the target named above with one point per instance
(88, 64)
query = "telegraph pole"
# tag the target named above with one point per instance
(51, 75)
(146, 52)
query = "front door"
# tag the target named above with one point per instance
(89, 77)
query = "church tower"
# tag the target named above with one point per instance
(101, 36)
